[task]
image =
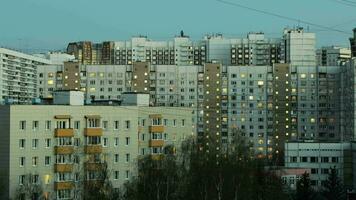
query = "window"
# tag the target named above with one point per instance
(105, 124)
(77, 142)
(183, 122)
(93, 140)
(105, 142)
(334, 159)
(93, 123)
(116, 141)
(48, 143)
(142, 151)
(116, 125)
(22, 125)
(174, 122)
(62, 124)
(64, 194)
(165, 122)
(313, 159)
(22, 143)
(34, 161)
(21, 179)
(34, 143)
(116, 175)
(116, 158)
(127, 141)
(127, 157)
(48, 125)
(127, 174)
(47, 160)
(325, 159)
(77, 125)
(127, 124)
(303, 159)
(143, 122)
(156, 121)
(314, 171)
(35, 125)
(143, 137)
(22, 161)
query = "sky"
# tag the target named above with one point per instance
(41, 25)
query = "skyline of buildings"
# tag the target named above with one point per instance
(275, 92)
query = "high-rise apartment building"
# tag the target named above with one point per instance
(19, 76)
(87, 52)
(299, 47)
(60, 147)
(333, 56)
(268, 104)
(253, 50)
(353, 44)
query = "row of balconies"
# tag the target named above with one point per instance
(69, 132)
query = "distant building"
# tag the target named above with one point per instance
(353, 44)
(18, 72)
(299, 48)
(333, 56)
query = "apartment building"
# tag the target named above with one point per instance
(333, 56)
(269, 104)
(59, 147)
(19, 76)
(299, 47)
(87, 52)
(254, 50)
(181, 51)
(353, 44)
(320, 158)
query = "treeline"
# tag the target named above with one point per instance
(195, 174)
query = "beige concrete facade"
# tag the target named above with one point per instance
(63, 146)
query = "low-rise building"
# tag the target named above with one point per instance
(59, 147)
(320, 158)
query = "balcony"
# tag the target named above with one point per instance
(63, 149)
(156, 129)
(156, 143)
(93, 149)
(94, 166)
(68, 132)
(63, 168)
(63, 185)
(93, 131)
(155, 116)
(157, 157)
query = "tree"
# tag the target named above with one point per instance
(31, 188)
(304, 188)
(333, 188)
(101, 187)
(157, 178)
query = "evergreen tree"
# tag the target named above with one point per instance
(333, 188)
(304, 188)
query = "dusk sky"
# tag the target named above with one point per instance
(51, 24)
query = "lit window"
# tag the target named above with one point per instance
(303, 76)
(260, 83)
(50, 82)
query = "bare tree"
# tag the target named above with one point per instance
(30, 188)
